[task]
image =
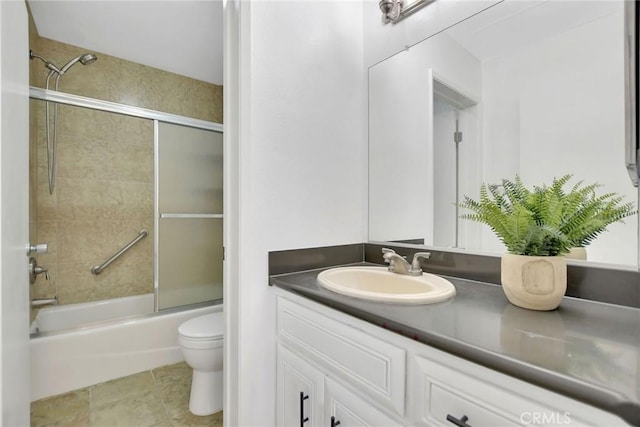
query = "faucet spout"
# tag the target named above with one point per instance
(398, 264)
(39, 302)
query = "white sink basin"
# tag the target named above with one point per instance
(379, 284)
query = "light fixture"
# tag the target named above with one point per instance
(395, 10)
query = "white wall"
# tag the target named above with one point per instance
(544, 118)
(384, 40)
(14, 214)
(401, 162)
(301, 167)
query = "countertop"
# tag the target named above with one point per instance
(586, 350)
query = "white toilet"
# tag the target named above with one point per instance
(201, 341)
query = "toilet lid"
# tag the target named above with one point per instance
(206, 326)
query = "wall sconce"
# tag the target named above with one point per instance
(395, 10)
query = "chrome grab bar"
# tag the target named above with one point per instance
(99, 268)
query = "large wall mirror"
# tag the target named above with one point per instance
(533, 88)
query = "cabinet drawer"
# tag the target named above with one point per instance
(444, 404)
(446, 385)
(375, 366)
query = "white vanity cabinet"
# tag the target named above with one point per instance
(352, 373)
(351, 377)
(346, 409)
(307, 397)
(300, 391)
(447, 391)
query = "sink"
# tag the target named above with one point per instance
(379, 284)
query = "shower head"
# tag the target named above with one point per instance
(88, 58)
(84, 59)
(47, 64)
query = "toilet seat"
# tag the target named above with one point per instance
(207, 327)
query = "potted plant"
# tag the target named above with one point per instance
(538, 227)
(588, 214)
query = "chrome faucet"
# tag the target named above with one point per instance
(398, 264)
(39, 302)
(35, 269)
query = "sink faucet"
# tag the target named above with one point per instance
(398, 264)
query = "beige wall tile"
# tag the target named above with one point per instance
(104, 191)
(47, 204)
(43, 288)
(117, 80)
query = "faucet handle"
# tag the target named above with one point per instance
(415, 264)
(39, 270)
(387, 253)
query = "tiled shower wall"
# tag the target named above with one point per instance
(104, 186)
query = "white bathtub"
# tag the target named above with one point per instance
(93, 349)
(61, 317)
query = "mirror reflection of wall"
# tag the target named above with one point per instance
(455, 137)
(548, 79)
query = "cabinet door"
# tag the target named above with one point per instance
(344, 409)
(299, 391)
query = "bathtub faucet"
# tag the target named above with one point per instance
(39, 302)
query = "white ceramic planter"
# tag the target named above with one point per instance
(534, 282)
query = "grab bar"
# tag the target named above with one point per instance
(99, 268)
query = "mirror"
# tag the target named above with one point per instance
(534, 88)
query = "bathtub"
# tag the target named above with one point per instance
(62, 317)
(79, 345)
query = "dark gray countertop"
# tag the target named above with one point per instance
(586, 350)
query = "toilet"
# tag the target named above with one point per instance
(201, 341)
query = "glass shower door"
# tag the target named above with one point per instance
(189, 207)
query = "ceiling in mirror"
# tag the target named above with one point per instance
(533, 88)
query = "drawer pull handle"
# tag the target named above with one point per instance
(462, 422)
(303, 419)
(334, 422)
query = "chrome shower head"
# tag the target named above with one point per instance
(84, 59)
(47, 64)
(88, 58)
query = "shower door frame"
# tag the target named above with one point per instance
(114, 107)
(58, 97)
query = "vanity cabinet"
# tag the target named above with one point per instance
(346, 409)
(300, 391)
(351, 372)
(448, 389)
(350, 377)
(309, 397)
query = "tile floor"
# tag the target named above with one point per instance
(159, 397)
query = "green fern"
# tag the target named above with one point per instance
(546, 221)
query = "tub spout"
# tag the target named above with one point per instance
(39, 302)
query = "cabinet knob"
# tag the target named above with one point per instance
(303, 419)
(460, 422)
(334, 422)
